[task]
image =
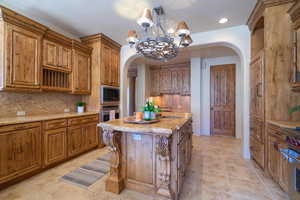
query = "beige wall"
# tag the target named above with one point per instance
(36, 103)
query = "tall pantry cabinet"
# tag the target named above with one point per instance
(270, 79)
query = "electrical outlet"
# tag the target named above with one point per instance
(21, 113)
(67, 110)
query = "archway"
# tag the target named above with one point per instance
(236, 38)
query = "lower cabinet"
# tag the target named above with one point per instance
(55, 146)
(257, 151)
(82, 138)
(277, 164)
(26, 148)
(20, 150)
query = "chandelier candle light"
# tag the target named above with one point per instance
(155, 42)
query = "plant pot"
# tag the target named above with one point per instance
(80, 109)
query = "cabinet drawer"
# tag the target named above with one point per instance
(257, 151)
(55, 124)
(16, 127)
(257, 130)
(82, 120)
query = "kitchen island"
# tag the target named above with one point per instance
(149, 158)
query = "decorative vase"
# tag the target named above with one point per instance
(147, 115)
(80, 109)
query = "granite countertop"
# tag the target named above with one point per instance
(165, 126)
(35, 118)
(285, 124)
(288, 127)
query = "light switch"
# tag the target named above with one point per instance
(21, 113)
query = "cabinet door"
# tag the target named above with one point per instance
(20, 153)
(81, 73)
(115, 67)
(283, 173)
(106, 65)
(65, 58)
(50, 53)
(273, 161)
(257, 87)
(23, 58)
(155, 78)
(75, 140)
(90, 132)
(165, 81)
(186, 86)
(55, 146)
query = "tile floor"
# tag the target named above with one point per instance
(217, 172)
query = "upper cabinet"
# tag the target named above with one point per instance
(171, 79)
(105, 59)
(35, 58)
(81, 79)
(295, 17)
(57, 52)
(110, 64)
(20, 41)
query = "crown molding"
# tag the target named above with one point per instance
(259, 9)
(99, 37)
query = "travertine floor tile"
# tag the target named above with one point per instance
(217, 172)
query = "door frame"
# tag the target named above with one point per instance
(235, 101)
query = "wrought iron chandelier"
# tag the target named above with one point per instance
(154, 41)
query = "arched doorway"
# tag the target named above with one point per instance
(238, 39)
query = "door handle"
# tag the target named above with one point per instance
(211, 108)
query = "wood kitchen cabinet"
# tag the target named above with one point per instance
(171, 79)
(105, 59)
(20, 150)
(57, 52)
(82, 134)
(155, 86)
(277, 163)
(295, 67)
(21, 62)
(110, 64)
(81, 78)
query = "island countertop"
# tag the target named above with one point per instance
(169, 122)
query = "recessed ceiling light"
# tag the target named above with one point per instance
(223, 20)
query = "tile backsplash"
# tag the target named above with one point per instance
(36, 103)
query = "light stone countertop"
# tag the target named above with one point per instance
(166, 126)
(44, 117)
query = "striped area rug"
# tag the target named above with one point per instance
(88, 174)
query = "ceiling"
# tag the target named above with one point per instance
(205, 51)
(114, 18)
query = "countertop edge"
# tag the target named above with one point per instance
(38, 118)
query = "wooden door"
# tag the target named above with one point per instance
(81, 73)
(257, 87)
(55, 146)
(222, 100)
(106, 64)
(75, 140)
(20, 153)
(23, 57)
(50, 54)
(115, 67)
(186, 79)
(90, 132)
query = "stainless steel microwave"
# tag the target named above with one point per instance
(110, 95)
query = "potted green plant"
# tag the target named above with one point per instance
(294, 109)
(80, 107)
(148, 111)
